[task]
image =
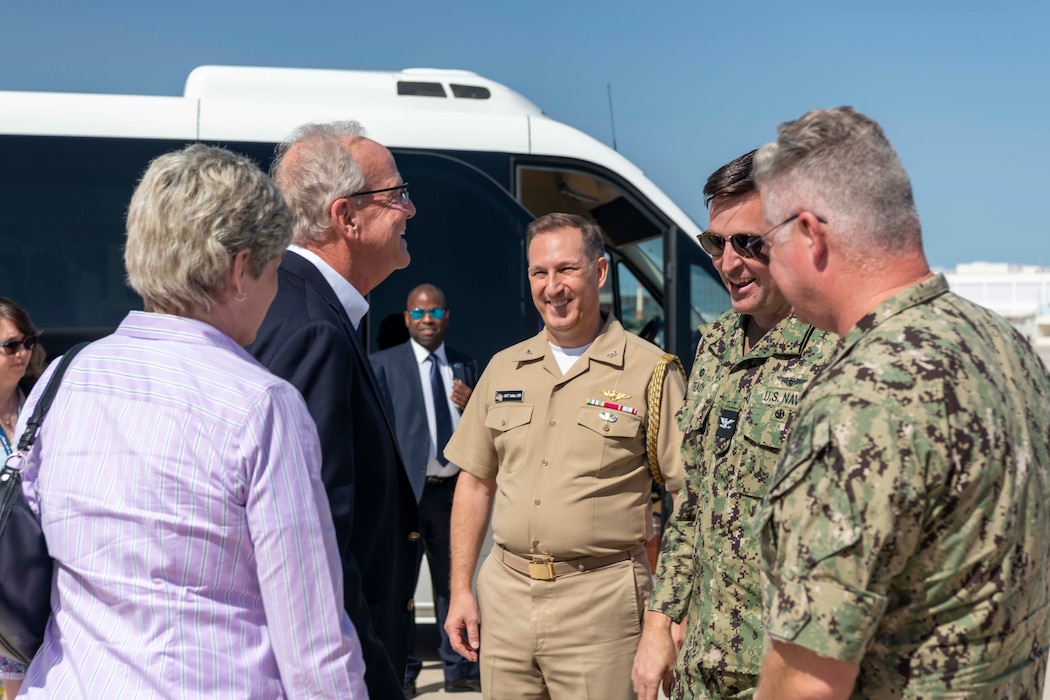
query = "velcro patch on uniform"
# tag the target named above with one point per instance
(512, 395)
(727, 423)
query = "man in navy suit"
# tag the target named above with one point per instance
(417, 377)
(350, 207)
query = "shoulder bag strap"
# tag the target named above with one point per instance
(42, 406)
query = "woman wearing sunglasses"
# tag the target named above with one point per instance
(21, 358)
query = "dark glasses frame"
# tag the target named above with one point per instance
(13, 346)
(437, 313)
(402, 197)
(746, 245)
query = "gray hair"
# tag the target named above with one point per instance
(193, 210)
(839, 164)
(593, 241)
(313, 167)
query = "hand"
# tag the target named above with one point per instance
(654, 661)
(461, 625)
(678, 634)
(460, 394)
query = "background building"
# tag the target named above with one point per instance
(1021, 293)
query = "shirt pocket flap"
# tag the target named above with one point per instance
(766, 425)
(796, 457)
(504, 418)
(608, 422)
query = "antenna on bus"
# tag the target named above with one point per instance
(608, 88)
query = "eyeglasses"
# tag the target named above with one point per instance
(746, 245)
(436, 313)
(402, 197)
(13, 346)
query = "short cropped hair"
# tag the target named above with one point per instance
(313, 167)
(18, 316)
(731, 180)
(593, 240)
(839, 163)
(193, 210)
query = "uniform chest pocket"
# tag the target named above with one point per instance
(765, 428)
(606, 439)
(509, 424)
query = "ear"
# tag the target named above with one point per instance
(239, 269)
(343, 216)
(601, 267)
(814, 234)
(408, 319)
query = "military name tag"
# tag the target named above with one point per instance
(727, 423)
(785, 397)
(514, 395)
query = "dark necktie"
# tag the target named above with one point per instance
(442, 417)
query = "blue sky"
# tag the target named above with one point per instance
(961, 88)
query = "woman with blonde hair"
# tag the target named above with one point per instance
(178, 481)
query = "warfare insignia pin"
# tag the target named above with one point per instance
(607, 417)
(615, 396)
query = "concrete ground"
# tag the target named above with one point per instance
(431, 682)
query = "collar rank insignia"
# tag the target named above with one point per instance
(727, 423)
(615, 396)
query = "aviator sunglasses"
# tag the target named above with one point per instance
(746, 245)
(436, 313)
(13, 346)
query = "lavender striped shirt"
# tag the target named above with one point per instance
(178, 484)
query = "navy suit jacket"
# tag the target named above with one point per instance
(398, 374)
(307, 338)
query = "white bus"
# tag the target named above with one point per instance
(481, 159)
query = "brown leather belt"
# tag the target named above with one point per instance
(544, 568)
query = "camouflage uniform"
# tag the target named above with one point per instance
(906, 527)
(708, 565)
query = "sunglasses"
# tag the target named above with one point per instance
(13, 346)
(746, 245)
(436, 313)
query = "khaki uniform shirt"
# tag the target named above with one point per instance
(735, 421)
(906, 526)
(572, 479)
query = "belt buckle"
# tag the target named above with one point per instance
(541, 568)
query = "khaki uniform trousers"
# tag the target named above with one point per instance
(571, 638)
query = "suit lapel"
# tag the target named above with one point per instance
(311, 276)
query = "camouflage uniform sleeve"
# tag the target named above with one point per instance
(674, 570)
(843, 512)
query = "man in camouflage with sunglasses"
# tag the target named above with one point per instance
(751, 366)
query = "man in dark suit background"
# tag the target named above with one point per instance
(416, 386)
(350, 207)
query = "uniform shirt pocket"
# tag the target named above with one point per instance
(510, 429)
(606, 437)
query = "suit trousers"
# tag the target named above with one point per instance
(571, 638)
(435, 513)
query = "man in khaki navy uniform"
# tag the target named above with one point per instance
(556, 436)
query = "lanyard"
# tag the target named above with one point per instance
(5, 443)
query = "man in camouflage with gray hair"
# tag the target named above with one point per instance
(751, 366)
(906, 531)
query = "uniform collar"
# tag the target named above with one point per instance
(912, 296)
(608, 347)
(725, 337)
